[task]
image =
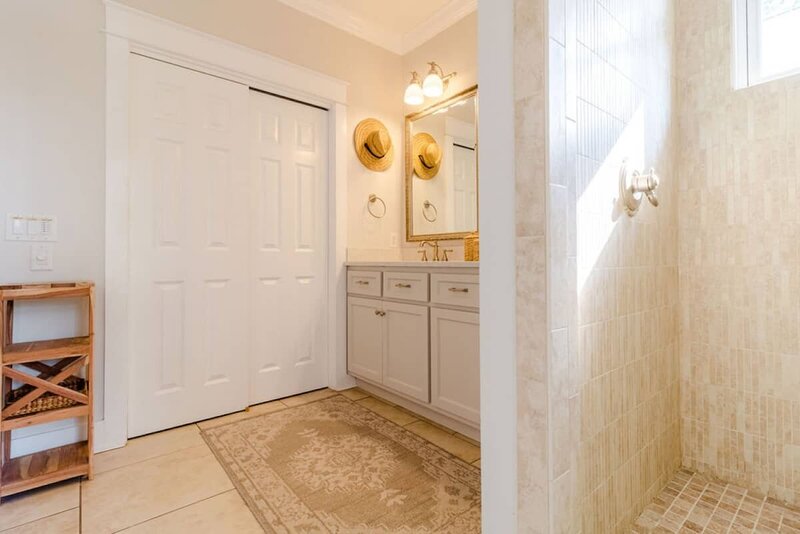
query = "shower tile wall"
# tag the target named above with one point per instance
(740, 263)
(613, 295)
(530, 62)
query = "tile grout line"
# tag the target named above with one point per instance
(716, 506)
(203, 443)
(694, 505)
(760, 511)
(669, 508)
(738, 507)
(177, 509)
(14, 527)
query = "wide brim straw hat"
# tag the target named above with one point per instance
(373, 145)
(426, 155)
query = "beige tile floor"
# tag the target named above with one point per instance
(693, 503)
(170, 482)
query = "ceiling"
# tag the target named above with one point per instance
(398, 26)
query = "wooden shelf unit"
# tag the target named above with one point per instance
(42, 396)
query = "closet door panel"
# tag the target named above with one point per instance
(188, 252)
(288, 247)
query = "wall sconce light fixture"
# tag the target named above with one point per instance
(434, 86)
(414, 95)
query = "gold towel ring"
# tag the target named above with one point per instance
(373, 198)
(428, 204)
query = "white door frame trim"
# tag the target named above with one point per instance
(132, 31)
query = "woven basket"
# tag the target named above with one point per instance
(48, 401)
(472, 248)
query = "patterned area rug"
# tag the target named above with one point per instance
(335, 466)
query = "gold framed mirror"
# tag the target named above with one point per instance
(442, 169)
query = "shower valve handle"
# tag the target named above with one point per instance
(647, 184)
(634, 184)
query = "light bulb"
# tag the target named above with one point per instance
(414, 95)
(433, 86)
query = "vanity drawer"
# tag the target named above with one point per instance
(366, 283)
(455, 289)
(406, 286)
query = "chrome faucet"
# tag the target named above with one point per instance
(434, 245)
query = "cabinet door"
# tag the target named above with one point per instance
(365, 339)
(406, 364)
(455, 363)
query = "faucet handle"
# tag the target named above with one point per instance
(424, 254)
(444, 254)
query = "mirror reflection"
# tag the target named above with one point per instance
(442, 170)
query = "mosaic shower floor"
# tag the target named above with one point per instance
(693, 503)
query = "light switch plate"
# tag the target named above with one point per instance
(31, 228)
(42, 257)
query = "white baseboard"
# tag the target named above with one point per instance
(42, 437)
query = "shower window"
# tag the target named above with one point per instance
(767, 40)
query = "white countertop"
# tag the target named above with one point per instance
(420, 264)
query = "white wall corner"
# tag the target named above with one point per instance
(498, 276)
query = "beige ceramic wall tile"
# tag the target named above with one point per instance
(223, 513)
(32, 505)
(129, 495)
(62, 523)
(530, 167)
(612, 369)
(740, 263)
(146, 447)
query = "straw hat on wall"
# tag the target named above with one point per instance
(373, 145)
(427, 156)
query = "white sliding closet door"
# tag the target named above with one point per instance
(288, 286)
(188, 246)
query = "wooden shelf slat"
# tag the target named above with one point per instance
(72, 354)
(45, 291)
(34, 351)
(45, 467)
(38, 418)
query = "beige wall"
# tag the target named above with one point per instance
(740, 263)
(52, 162)
(613, 299)
(377, 80)
(455, 50)
(376, 89)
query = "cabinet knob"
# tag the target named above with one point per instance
(362, 282)
(380, 313)
(459, 290)
(403, 286)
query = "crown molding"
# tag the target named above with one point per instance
(450, 13)
(386, 37)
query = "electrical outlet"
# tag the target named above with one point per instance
(42, 257)
(393, 240)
